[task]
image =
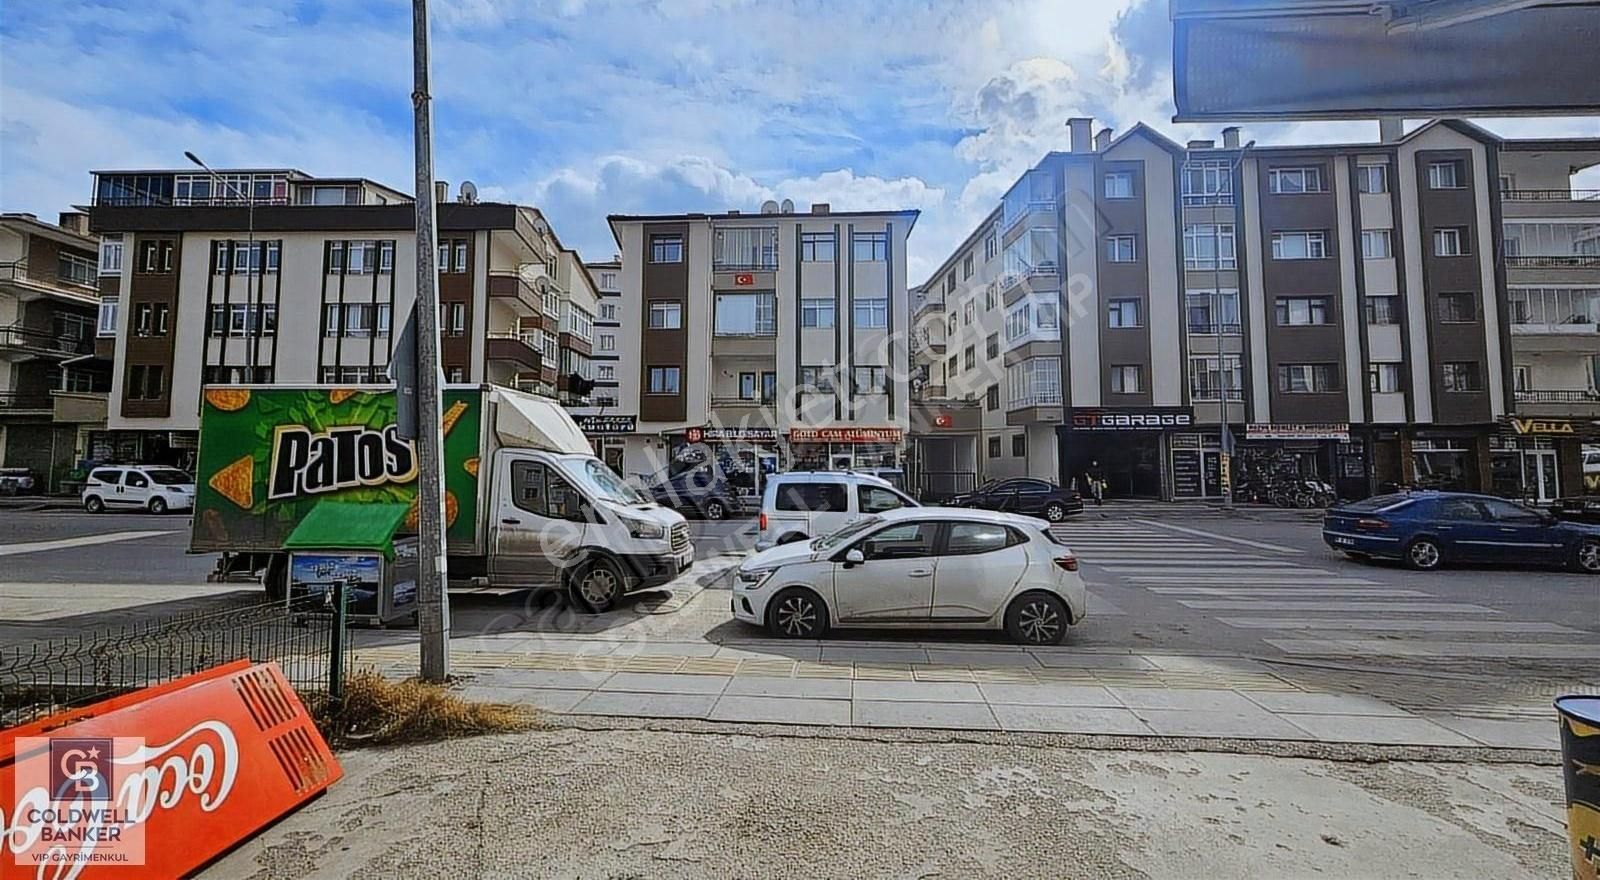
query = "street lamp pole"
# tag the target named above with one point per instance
(257, 262)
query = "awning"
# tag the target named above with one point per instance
(342, 525)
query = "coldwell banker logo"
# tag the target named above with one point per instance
(80, 768)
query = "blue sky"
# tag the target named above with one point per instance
(589, 107)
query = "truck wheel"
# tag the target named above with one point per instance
(598, 586)
(714, 509)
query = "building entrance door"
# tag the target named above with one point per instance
(1539, 475)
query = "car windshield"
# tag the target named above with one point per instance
(846, 534)
(601, 482)
(169, 477)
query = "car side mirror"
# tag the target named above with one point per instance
(854, 556)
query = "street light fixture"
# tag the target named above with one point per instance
(255, 265)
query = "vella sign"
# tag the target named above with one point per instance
(1543, 426)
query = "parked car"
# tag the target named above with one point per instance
(16, 481)
(700, 490)
(918, 567)
(1426, 530)
(1023, 495)
(800, 505)
(156, 489)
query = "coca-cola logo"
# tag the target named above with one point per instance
(63, 833)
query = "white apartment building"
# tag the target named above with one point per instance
(782, 331)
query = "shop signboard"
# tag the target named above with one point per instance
(594, 424)
(1146, 418)
(1331, 431)
(845, 435)
(731, 435)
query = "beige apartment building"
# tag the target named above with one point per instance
(275, 276)
(778, 332)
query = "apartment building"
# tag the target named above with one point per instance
(52, 384)
(1552, 256)
(779, 331)
(275, 276)
(600, 419)
(1337, 306)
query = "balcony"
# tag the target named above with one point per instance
(1550, 195)
(512, 348)
(746, 402)
(1578, 396)
(1032, 409)
(745, 249)
(1554, 261)
(28, 285)
(30, 402)
(1579, 403)
(21, 342)
(514, 290)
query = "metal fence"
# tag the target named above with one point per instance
(305, 637)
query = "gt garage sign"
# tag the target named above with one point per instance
(1150, 418)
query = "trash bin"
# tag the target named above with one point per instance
(354, 545)
(1580, 764)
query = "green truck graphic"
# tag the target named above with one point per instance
(268, 455)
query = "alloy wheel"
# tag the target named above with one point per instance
(797, 616)
(1589, 557)
(714, 510)
(598, 586)
(1039, 622)
(1055, 512)
(1424, 554)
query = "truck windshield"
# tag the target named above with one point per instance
(599, 481)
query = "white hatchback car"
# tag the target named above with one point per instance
(146, 487)
(800, 505)
(918, 567)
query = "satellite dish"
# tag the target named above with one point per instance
(469, 191)
(787, 207)
(769, 207)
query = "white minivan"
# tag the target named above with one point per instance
(800, 505)
(151, 488)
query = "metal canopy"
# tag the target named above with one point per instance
(1240, 60)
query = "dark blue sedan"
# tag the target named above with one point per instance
(1428, 529)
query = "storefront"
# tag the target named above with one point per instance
(745, 454)
(171, 448)
(608, 435)
(1131, 449)
(845, 448)
(1269, 456)
(1539, 460)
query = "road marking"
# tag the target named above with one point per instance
(1258, 579)
(1260, 545)
(1418, 625)
(80, 541)
(1352, 607)
(1391, 648)
(1273, 592)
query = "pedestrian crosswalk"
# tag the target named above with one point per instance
(1300, 607)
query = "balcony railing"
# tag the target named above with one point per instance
(1203, 328)
(1565, 261)
(1200, 200)
(770, 400)
(17, 271)
(25, 400)
(1550, 195)
(1032, 400)
(17, 336)
(1558, 397)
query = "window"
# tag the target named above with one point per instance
(970, 311)
(1445, 175)
(994, 447)
(1123, 313)
(991, 346)
(1209, 182)
(663, 380)
(456, 374)
(1125, 379)
(1461, 376)
(150, 319)
(1045, 316)
(155, 256)
(989, 298)
(966, 267)
(1299, 245)
(747, 386)
(608, 280)
(816, 312)
(871, 380)
(991, 398)
(872, 313)
(818, 380)
(608, 311)
(1208, 246)
(870, 247)
(147, 382)
(359, 319)
(745, 314)
(1522, 380)
(107, 324)
(812, 497)
(1308, 378)
(1450, 241)
(970, 539)
(1383, 310)
(1119, 185)
(875, 499)
(1376, 244)
(1019, 445)
(111, 254)
(1292, 181)
(666, 316)
(453, 319)
(1121, 249)
(991, 247)
(1302, 311)
(1383, 378)
(1210, 378)
(666, 248)
(607, 342)
(1034, 382)
(239, 319)
(817, 247)
(969, 358)
(1458, 308)
(1372, 178)
(1210, 312)
(745, 247)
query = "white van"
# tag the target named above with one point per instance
(801, 505)
(151, 488)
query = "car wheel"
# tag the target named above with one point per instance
(797, 614)
(1037, 619)
(714, 509)
(158, 506)
(1587, 558)
(1423, 555)
(1055, 511)
(94, 504)
(598, 586)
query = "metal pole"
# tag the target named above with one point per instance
(336, 644)
(433, 608)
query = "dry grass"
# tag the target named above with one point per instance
(378, 711)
